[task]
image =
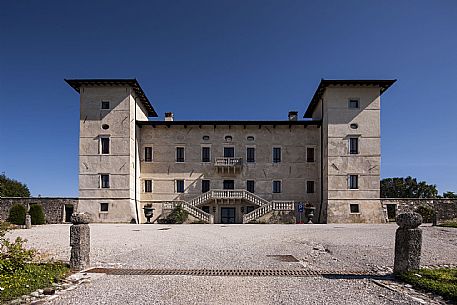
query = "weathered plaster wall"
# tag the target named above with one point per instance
(54, 208)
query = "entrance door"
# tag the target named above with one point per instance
(229, 185)
(391, 211)
(229, 152)
(227, 215)
(68, 212)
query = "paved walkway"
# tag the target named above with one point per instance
(343, 248)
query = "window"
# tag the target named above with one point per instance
(148, 154)
(228, 184)
(310, 154)
(104, 145)
(276, 154)
(250, 186)
(103, 207)
(206, 154)
(179, 154)
(354, 208)
(205, 186)
(250, 138)
(310, 187)
(105, 126)
(228, 138)
(179, 186)
(147, 186)
(353, 146)
(353, 103)
(105, 104)
(250, 154)
(354, 126)
(104, 181)
(276, 186)
(353, 182)
(205, 138)
(229, 152)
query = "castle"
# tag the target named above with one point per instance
(230, 171)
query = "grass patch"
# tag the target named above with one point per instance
(30, 278)
(448, 224)
(440, 281)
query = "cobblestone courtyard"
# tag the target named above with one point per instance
(342, 248)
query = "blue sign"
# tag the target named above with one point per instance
(301, 207)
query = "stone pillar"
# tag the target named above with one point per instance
(408, 242)
(80, 241)
(28, 221)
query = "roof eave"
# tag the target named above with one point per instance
(132, 82)
(384, 84)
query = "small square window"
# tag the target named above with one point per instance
(105, 104)
(354, 208)
(104, 181)
(310, 187)
(104, 145)
(353, 182)
(310, 154)
(147, 186)
(148, 154)
(179, 186)
(276, 186)
(353, 104)
(104, 207)
(250, 186)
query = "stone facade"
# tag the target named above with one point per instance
(56, 210)
(128, 161)
(446, 209)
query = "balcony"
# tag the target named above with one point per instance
(228, 165)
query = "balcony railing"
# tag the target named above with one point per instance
(228, 162)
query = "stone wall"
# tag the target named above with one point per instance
(54, 208)
(446, 209)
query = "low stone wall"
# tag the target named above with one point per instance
(446, 209)
(54, 208)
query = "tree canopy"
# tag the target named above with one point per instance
(407, 188)
(12, 188)
(449, 195)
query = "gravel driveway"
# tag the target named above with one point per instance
(343, 248)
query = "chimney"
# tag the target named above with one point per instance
(293, 115)
(168, 116)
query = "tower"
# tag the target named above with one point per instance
(108, 147)
(351, 148)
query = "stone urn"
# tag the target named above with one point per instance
(148, 212)
(309, 212)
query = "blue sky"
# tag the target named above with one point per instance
(253, 59)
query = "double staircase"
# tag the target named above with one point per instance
(264, 206)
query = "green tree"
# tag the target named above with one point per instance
(12, 188)
(37, 214)
(449, 195)
(407, 188)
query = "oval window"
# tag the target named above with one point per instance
(228, 138)
(354, 126)
(250, 138)
(105, 126)
(206, 138)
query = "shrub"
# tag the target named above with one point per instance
(17, 214)
(426, 212)
(13, 255)
(178, 215)
(37, 214)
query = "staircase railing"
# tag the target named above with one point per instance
(228, 194)
(271, 206)
(192, 210)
